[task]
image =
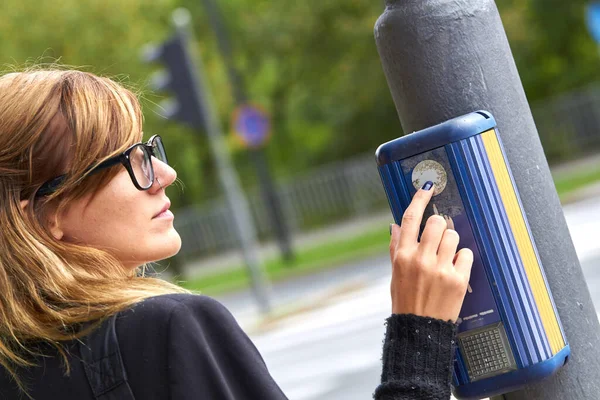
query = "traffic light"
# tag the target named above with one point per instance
(180, 79)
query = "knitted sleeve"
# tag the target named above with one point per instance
(418, 354)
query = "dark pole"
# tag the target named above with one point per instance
(445, 58)
(268, 192)
(200, 96)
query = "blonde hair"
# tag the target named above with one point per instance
(55, 122)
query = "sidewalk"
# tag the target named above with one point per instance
(570, 167)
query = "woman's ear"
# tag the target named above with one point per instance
(52, 221)
(55, 227)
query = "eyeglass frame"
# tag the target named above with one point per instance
(52, 185)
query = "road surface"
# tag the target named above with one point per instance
(333, 352)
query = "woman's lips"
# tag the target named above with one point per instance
(165, 214)
(164, 211)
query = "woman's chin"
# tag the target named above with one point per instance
(170, 245)
(154, 250)
(165, 247)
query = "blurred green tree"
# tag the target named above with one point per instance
(103, 37)
(315, 67)
(551, 44)
(312, 64)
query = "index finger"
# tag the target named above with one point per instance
(413, 216)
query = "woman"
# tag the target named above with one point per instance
(84, 208)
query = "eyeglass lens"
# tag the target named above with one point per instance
(141, 163)
(159, 149)
(142, 166)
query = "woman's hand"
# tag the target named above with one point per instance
(429, 278)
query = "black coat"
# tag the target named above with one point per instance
(173, 347)
(182, 346)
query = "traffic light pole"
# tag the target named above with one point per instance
(445, 58)
(194, 107)
(268, 191)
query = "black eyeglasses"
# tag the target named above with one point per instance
(136, 159)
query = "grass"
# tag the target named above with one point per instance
(569, 183)
(335, 253)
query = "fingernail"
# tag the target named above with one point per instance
(428, 185)
(391, 229)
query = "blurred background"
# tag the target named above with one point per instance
(319, 217)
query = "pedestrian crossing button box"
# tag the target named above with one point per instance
(509, 332)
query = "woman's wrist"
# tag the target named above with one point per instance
(418, 348)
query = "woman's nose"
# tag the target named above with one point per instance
(164, 173)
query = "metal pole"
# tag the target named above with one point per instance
(273, 204)
(444, 58)
(236, 199)
(268, 192)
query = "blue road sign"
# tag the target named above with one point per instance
(593, 20)
(252, 125)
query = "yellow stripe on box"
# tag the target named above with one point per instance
(523, 240)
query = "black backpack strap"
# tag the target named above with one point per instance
(103, 363)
